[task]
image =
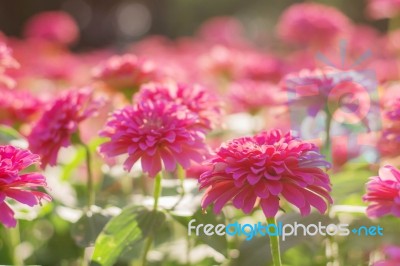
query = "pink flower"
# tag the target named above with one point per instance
(252, 96)
(262, 67)
(311, 24)
(343, 92)
(383, 193)
(17, 106)
(389, 142)
(155, 132)
(6, 61)
(18, 186)
(222, 30)
(53, 26)
(196, 98)
(379, 9)
(393, 109)
(60, 121)
(393, 254)
(126, 72)
(266, 168)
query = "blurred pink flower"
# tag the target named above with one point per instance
(60, 122)
(157, 132)
(343, 92)
(6, 61)
(393, 254)
(18, 106)
(53, 26)
(311, 24)
(383, 193)
(345, 149)
(222, 30)
(389, 142)
(266, 168)
(262, 67)
(196, 98)
(252, 96)
(379, 9)
(18, 186)
(56, 63)
(126, 72)
(221, 62)
(393, 109)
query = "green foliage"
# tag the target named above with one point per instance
(124, 231)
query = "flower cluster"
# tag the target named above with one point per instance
(264, 168)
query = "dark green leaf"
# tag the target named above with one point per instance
(219, 243)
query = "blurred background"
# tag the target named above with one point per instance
(117, 22)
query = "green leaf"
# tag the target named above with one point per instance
(219, 243)
(87, 228)
(8, 134)
(350, 183)
(131, 227)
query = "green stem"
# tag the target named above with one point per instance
(327, 148)
(147, 247)
(14, 241)
(157, 190)
(181, 176)
(274, 244)
(90, 184)
(156, 195)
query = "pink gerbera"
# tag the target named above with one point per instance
(16, 185)
(159, 132)
(196, 98)
(60, 121)
(312, 24)
(383, 193)
(266, 168)
(126, 72)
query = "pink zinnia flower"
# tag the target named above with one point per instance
(60, 121)
(195, 97)
(393, 254)
(383, 193)
(53, 26)
(18, 106)
(379, 9)
(18, 186)
(266, 168)
(6, 61)
(158, 132)
(222, 30)
(252, 96)
(126, 72)
(344, 92)
(312, 24)
(393, 109)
